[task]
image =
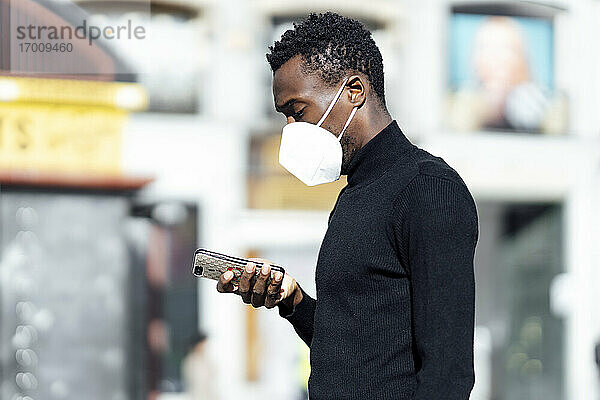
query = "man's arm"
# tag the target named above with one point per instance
(301, 315)
(439, 233)
(281, 291)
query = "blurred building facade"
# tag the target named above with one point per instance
(210, 139)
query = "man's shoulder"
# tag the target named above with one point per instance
(420, 163)
(432, 176)
(431, 168)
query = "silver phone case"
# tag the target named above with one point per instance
(211, 265)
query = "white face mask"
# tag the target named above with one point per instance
(311, 153)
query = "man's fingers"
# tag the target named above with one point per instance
(288, 285)
(273, 291)
(259, 291)
(246, 283)
(224, 285)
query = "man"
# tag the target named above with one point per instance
(394, 313)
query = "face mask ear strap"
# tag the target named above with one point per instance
(348, 121)
(335, 99)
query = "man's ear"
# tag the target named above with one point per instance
(357, 93)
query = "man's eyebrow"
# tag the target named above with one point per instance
(286, 105)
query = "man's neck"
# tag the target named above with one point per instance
(376, 122)
(386, 148)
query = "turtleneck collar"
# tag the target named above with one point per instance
(375, 157)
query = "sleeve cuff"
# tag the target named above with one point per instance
(302, 310)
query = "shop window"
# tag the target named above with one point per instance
(170, 61)
(519, 338)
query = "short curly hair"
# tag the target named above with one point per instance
(331, 45)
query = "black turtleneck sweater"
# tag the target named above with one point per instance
(394, 313)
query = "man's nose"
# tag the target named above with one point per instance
(290, 119)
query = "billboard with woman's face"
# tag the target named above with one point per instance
(501, 75)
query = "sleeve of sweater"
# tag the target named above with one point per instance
(438, 230)
(301, 317)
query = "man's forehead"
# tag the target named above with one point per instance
(291, 81)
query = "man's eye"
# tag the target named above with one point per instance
(298, 115)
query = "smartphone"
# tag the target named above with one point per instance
(210, 264)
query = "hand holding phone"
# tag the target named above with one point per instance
(256, 280)
(210, 264)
